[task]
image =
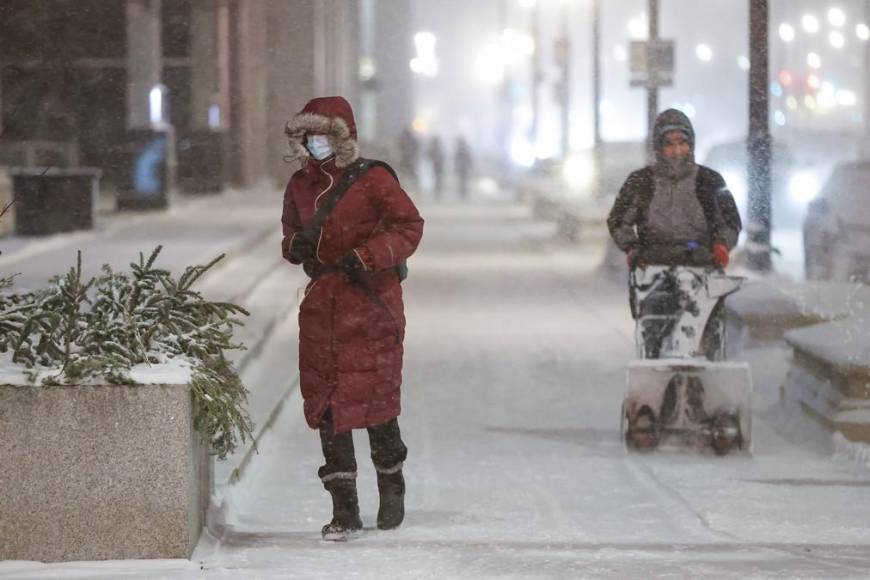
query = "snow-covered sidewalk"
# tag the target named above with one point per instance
(514, 377)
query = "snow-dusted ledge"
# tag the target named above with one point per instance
(101, 472)
(830, 375)
(761, 313)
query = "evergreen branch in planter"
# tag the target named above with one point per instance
(104, 326)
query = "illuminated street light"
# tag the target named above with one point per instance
(836, 17)
(814, 82)
(637, 28)
(863, 31)
(836, 39)
(810, 23)
(786, 32)
(517, 46)
(743, 62)
(814, 60)
(619, 53)
(704, 52)
(490, 64)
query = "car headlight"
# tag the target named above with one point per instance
(803, 187)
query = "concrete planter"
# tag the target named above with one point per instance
(760, 315)
(100, 472)
(830, 377)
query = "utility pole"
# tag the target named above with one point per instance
(596, 92)
(759, 141)
(565, 50)
(652, 91)
(536, 75)
(866, 148)
(596, 72)
(506, 104)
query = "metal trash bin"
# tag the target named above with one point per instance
(201, 162)
(54, 201)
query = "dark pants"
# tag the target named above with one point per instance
(385, 440)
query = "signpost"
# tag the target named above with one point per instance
(652, 63)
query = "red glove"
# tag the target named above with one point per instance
(720, 255)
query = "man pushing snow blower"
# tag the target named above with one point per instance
(677, 223)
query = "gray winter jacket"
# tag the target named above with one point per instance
(680, 235)
(629, 222)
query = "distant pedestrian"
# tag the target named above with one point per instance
(436, 159)
(351, 226)
(463, 164)
(409, 152)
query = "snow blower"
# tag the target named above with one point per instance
(681, 394)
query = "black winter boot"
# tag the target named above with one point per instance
(345, 509)
(391, 488)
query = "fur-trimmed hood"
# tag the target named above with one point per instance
(330, 116)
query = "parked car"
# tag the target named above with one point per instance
(837, 226)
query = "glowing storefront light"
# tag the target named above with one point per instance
(810, 23)
(426, 61)
(837, 39)
(862, 31)
(814, 60)
(155, 105)
(786, 32)
(704, 52)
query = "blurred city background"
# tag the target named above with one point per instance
(545, 99)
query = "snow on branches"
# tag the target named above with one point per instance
(102, 327)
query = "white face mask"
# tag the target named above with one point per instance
(319, 147)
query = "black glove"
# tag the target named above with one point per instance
(351, 263)
(301, 248)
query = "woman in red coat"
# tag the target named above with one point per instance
(351, 322)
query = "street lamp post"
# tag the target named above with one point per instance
(536, 75)
(566, 62)
(759, 141)
(652, 91)
(596, 73)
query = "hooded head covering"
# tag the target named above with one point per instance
(672, 120)
(330, 116)
(667, 121)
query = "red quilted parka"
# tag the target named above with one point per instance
(350, 338)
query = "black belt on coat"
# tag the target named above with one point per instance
(316, 271)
